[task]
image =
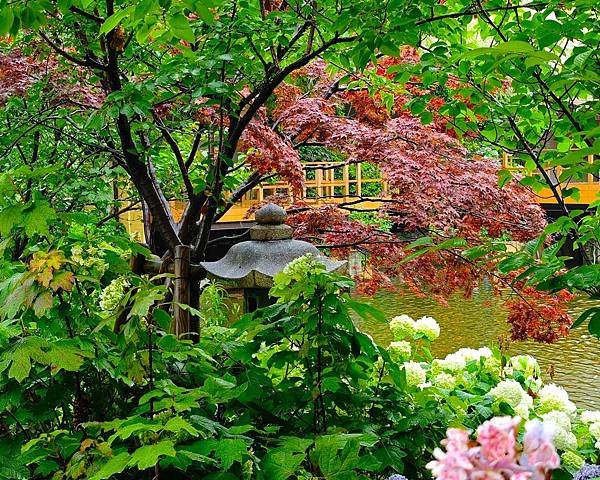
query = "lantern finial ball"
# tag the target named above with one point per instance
(270, 214)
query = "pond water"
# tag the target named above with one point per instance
(480, 320)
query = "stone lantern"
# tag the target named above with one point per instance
(251, 265)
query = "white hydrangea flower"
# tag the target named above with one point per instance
(526, 364)
(572, 460)
(553, 397)
(492, 365)
(560, 419)
(469, 354)
(299, 267)
(112, 294)
(77, 254)
(522, 409)
(400, 351)
(453, 362)
(511, 392)
(590, 416)
(485, 352)
(444, 380)
(595, 430)
(564, 440)
(415, 375)
(90, 258)
(402, 327)
(428, 327)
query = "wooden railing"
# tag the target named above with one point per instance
(330, 182)
(324, 182)
(587, 184)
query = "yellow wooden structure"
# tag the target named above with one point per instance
(329, 182)
(326, 182)
(588, 186)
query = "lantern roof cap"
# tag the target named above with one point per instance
(254, 263)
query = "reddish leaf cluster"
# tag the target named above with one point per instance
(19, 72)
(539, 316)
(267, 152)
(433, 180)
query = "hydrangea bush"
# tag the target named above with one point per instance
(292, 391)
(475, 384)
(497, 454)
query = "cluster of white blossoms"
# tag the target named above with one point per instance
(526, 364)
(456, 362)
(404, 327)
(299, 267)
(511, 392)
(515, 381)
(453, 363)
(564, 438)
(444, 380)
(428, 327)
(552, 397)
(590, 416)
(400, 351)
(113, 293)
(474, 354)
(90, 258)
(592, 419)
(416, 376)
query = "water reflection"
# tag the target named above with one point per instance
(480, 320)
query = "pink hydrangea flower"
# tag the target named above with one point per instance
(454, 464)
(496, 455)
(498, 439)
(539, 453)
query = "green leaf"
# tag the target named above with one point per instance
(514, 262)
(6, 20)
(420, 242)
(336, 465)
(504, 177)
(456, 242)
(426, 117)
(111, 22)
(144, 299)
(37, 217)
(22, 354)
(9, 218)
(178, 424)
(281, 464)
(366, 310)
(115, 465)
(180, 27)
(594, 326)
(227, 450)
(513, 46)
(64, 354)
(149, 455)
(590, 312)
(204, 13)
(20, 367)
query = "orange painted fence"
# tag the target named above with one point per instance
(330, 182)
(587, 184)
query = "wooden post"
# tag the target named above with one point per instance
(358, 180)
(346, 182)
(181, 289)
(319, 177)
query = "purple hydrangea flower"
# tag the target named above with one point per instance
(587, 472)
(397, 477)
